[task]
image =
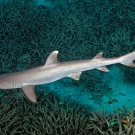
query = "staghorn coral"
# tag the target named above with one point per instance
(49, 118)
(129, 74)
(96, 86)
(100, 122)
(46, 117)
(80, 28)
(21, 24)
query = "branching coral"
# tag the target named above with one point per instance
(96, 85)
(48, 117)
(81, 29)
(21, 23)
(78, 28)
(123, 124)
(129, 74)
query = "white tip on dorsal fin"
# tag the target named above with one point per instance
(30, 92)
(75, 76)
(52, 58)
(104, 69)
(99, 55)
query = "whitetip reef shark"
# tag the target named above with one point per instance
(54, 70)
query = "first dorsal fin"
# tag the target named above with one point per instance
(30, 92)
(99, 55)
(52, 59)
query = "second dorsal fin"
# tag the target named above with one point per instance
(99, 56)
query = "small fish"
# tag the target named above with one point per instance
(1, 95)
(128, 100)
(70, 109)
(46, 93)
(61, 103)
(125, 121)
(112, 123)
(119, 111)
(82, 90)
(23, 124)
(109, 88)
(122, 94)
(66, 85)
(110, 102)
(70, 93)
(115, 100)
(42, 6)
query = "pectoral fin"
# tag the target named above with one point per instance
(75, 76)
(30, 92)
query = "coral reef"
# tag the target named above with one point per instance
(96, 85)
(78, 28)
(49, 117)
(129, 74)
(120, 122)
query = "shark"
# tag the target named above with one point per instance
(54, 70)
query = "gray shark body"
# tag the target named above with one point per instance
(54, 70)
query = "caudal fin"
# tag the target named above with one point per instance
(128, 59)
(130, 64)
